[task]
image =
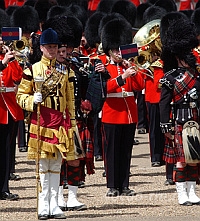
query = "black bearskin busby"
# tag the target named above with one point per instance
(56, 10)
(106, 18)
(71, 34)
(4, 19)
(105, 5)
(168, 5)
(91, 29)
(153, 12)
(115, 33)
(127, 9)
(42, 7)
(139, 14)
(167, 20)
(195, 18)
(25, 17)
(179, 42)
(79, 12)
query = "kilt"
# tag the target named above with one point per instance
(173, 150)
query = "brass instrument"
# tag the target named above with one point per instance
(149, 44)
(21, 49)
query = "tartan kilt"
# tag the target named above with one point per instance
(169, 153)
(173, 151)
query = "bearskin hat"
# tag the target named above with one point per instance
(187, 12)
(115, 33)
(42, 7)
(179, 42)
(4, 19)
(195, 18)
(25, 17)
(127, 9)
(56, 10)
(197, 5)
(105, 5)
(10, 9)
(79, 12)
(71, 34)
(168, 5)
(153, 12)
(91, 29)
(166, 20)
(139, 14)
(106, 18)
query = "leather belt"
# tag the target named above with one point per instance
(121, 94)
(6, 89)
(186, 105)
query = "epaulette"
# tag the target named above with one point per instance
(158, 63)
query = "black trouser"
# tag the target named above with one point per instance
(97, 135)
(7, 152)
(156, 137)
(142, 112)
(118, 149)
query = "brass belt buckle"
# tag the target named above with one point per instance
(2, 89)
(124, 94)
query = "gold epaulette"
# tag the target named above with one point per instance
(158, 63)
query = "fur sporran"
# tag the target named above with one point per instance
(191, 142)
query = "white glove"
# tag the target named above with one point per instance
(37, 97)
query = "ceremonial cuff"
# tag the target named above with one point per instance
(166, 127)
(120, 81)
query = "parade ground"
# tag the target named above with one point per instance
(153, 202)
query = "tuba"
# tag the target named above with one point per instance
(149, 45)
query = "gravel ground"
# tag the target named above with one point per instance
(154, 200)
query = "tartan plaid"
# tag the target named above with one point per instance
(182, 87)
(87, 143)
(173, 152)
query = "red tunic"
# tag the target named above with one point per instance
(11, 74)
(152, 86)
(121, 110)
(13, 2)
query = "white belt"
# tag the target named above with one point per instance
(121, 94)
(6, 89)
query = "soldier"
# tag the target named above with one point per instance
(182, 86)
(57, 122)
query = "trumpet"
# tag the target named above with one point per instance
(138, 63)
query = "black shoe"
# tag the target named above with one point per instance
(77, 208)
(187, 203)
(9, 196)
(65, 185)
(23, 149)
(112, 192)
(104, 174)
(63, 208)
(155, 164)
(98, 158)
(127, 192)
(169, 182)
(14, 177)
(43, 217)
(136, 142)
(81, 184)
(142, 131)
(58, 216)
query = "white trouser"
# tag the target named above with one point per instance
(49, 170)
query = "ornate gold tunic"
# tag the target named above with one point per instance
(59, 99)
